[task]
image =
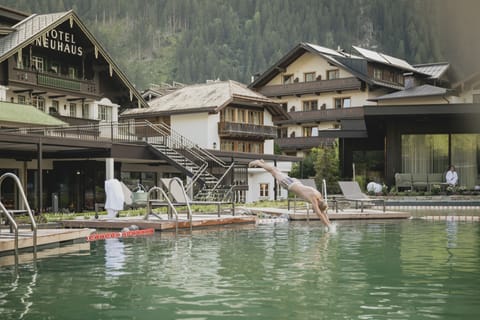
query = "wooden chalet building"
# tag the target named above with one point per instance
(380, 109)
(60, 96)
(231, 121)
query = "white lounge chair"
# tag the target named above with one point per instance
(351, 191)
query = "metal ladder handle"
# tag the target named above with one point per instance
(187, 201)
(12, 224)
(25, 202)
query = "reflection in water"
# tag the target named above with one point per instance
(371, 270)
(114, 257)
(451, 229)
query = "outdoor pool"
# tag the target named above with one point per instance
(411, 269)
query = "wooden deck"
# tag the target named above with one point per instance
(164, 224)
(347, 214)
(44, 237)
(82, 248)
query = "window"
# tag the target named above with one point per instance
(104, 113)
(288, 78)
(241, 146)
(333, 74)
(476, 98)
(21, 99)
(37, 63)
(377, 73)
(285, 106)
(85, 113)
(263, 189)
(227, 115)
(309, 76)
(54, 107)
(72, 72)
(54, 68)
(41, 104)
(255, 117)
(241, 116)
(227, 145)
(310, 131)
(73, 110)
(342, 103)
(310, 105)
(282, 132)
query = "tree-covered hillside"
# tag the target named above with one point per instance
(193, 40)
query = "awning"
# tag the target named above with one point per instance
(21, 115)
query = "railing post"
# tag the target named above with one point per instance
(111, 131)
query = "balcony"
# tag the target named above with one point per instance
(324, 138)
(288, 144)
(246, 130)
(35, 79)
(323, 115)
(310, 87)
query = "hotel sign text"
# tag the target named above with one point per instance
(60, 41)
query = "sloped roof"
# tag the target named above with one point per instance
(205, 97)
(425, 90)
(434, 70)
(28, 30)
(385, 59)
(355, 64)
(33, 27)
(20, 114)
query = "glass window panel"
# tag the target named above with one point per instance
(424, 153)
(465, 152)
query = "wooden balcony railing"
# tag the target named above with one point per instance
(324, 115)
(299, 143)
(318, 86)
(54, 81)
(246, 130)
(325, 137)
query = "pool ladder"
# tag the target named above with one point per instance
(164, 198)
(9, 213)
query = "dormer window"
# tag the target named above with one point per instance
(377, 73)
(333, 74)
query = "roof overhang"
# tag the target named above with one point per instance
(72, 17)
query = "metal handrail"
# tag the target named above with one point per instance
(149, 205)
(185, 142)
(25, 203)
(13, 225)
(195, 157)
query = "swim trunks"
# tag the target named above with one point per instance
(287, 181)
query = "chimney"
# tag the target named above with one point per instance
(410, 80)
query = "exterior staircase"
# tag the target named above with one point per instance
(210, 178)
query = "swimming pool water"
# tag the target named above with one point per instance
(410, 269)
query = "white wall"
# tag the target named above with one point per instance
(213, 120)
(195, 126)
(309, 62)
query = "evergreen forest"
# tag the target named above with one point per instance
(190, 41)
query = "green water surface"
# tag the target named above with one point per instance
(365, 270)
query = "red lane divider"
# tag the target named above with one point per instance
(124, 234)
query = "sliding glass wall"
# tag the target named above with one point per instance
(432, 153)
(465, 155)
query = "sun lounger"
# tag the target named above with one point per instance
(351, 192)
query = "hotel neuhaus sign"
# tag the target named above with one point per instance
(60, 41)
